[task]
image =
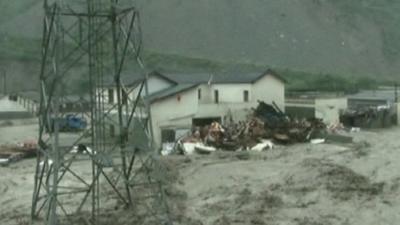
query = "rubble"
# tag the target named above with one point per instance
(16, 152)
(369, 117)
(317, 141)
(264, 127)
(265, 144)
(202, 149)
(339, 138)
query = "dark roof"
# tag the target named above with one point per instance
(169, 92)
(185, 81)
(275, 74)
(198, 78)
(132, 79)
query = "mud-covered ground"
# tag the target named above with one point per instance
(303, 184)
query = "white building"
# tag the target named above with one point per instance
(325, 107)
(29, 100)
(180, 101)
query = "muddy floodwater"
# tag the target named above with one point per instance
(302, 184)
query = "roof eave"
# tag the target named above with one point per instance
(169, 95)
(271, 73)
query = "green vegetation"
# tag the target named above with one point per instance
(301, 81)
(27, 49)
(317, 35)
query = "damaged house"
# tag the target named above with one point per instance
(326, 106)
(372, 109)
(179, 102)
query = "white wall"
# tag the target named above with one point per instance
(239, 111)
(269, 89)
(155, 84)
(231, 93)
(173, 113)
(103, 93)
(329, 109)
(207, 95)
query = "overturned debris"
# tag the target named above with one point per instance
(14, 153)
(264, 127)
(269, 122)
(369, 117)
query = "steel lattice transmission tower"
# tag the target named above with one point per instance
(93, 42)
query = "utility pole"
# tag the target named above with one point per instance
(4, 81)
(108, 40)
(396, 96)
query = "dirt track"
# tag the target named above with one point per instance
(303, 184)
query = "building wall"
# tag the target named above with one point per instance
(172, 112)
(206, 93)
(103, 93)
(238, 111)
(329, 109)
(155, 84)
(231, 93)
(269, 89)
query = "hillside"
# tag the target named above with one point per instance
(338, 36)
(357, 38)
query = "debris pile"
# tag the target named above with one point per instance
(266, 125)
(13, 153)
(279, 127)
(369, 117)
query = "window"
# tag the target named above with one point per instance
(167, 135)
(110, 96)
(246, 96)
(199, 94)
(216, 96)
